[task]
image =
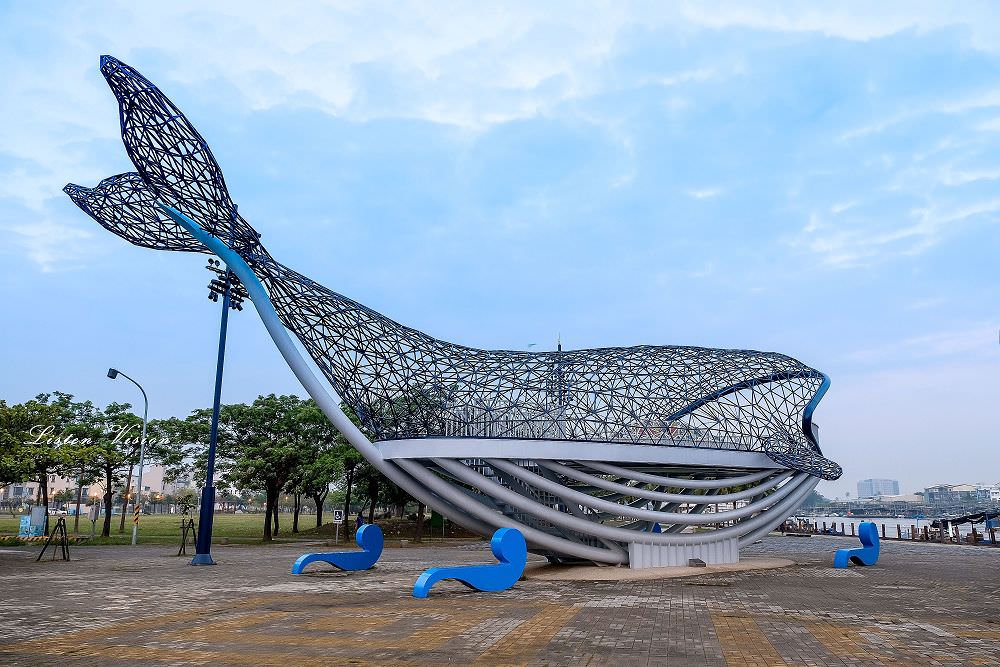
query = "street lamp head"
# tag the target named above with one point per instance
(112, 373)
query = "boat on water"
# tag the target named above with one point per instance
(612, 455)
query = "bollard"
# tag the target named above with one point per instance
(913, 532)
(974, 533)
(842, 527)
(883, 531)
(927, 534)
(852, 529)
(899, 532)
(824, 526)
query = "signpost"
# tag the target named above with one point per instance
(94, 513)
(338, 518)
(32, 525)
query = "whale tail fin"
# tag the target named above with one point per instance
(174, 166)
(126, 207)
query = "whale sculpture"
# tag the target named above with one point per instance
(582, 451)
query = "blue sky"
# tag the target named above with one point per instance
(820, 181)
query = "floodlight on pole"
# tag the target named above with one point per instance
(112, 374)
(228, 286)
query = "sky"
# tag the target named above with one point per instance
(815, 179)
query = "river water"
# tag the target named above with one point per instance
(905, 525)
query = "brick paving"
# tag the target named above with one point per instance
(923, 604)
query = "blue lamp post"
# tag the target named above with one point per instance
(227, 285)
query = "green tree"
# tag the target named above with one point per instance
(369, 480)
(15, 424)
(261, 449)
(322, 463)
(815, 499)
(109, 451)
(317, 477)
(63, 496)
(186, 500)
(315, 437)
(53, 440)
(349, 461)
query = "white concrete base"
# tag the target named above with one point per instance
(549, 572)
(642, 556)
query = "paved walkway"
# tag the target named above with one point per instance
(922, 605)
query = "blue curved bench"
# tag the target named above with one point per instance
(509, 548)
(867, 554)
(368, 537)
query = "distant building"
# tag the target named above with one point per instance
(23, 492)
(153, 483)
(913, 498)
(873, 488)
(957, 494)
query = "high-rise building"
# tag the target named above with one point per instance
(873, 488)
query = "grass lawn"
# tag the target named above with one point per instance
(238, 529)
(165, 528)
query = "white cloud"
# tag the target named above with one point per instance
(700, 74)
(704, 271)
(978, 339)
(705, 193)
(856, 21)
(950, 176)
(469, 66)
(867, 238)
(977, 101)
(927, 303)
(51, 245)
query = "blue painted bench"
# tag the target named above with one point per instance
(368, 537)
(509, 548)
(867, 554)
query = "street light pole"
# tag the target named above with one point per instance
(232, 297)
(113, 373)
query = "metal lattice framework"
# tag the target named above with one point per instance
(407, 386)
